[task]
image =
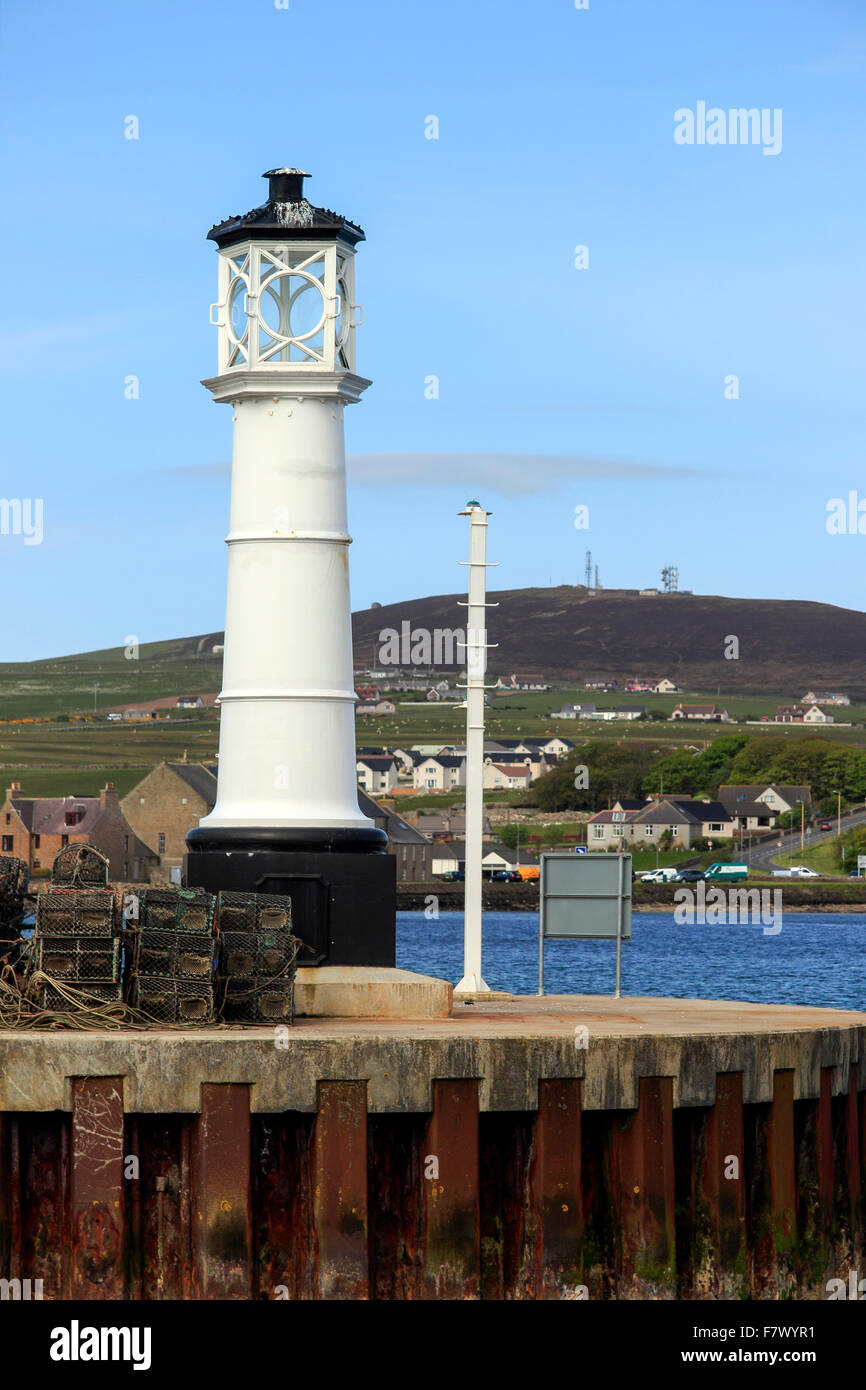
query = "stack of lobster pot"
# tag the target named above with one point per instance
(13, 889)
(257, 958)
(76, 944)
(171, 978)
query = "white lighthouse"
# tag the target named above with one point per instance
(286, 817)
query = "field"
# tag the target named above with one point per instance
(58, 756)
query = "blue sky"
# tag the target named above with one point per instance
(558, 386)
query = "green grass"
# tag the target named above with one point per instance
(823, 858)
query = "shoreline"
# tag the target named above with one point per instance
(524, 898)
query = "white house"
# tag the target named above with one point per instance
(380, 707)
(816, 715)
(497, 776)
(439, 773)
(700, 712)
(835, 698)
(498, 856)
(377, 773)
(574, 712)
(446, 857)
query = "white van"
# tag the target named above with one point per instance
(659, 876)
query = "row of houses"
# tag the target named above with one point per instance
(508, 764)
(644, 822)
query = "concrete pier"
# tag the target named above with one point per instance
(564, 1147)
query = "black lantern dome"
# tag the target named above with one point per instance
(286, 216)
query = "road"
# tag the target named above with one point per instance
(763, 854)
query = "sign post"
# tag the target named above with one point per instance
(584, 897)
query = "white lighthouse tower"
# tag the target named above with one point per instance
(286, 817)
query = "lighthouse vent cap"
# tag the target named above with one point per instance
(285, 185)
(286, 215)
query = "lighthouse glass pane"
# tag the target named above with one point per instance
(237, 313)
(307, 307)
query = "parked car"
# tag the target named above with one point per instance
(690, 876)
(454, 876)
(659, 876)
(825, 825)
(802, 871)
(505, 876)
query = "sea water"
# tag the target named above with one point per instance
(817, 958)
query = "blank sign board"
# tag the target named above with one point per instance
(586, 895)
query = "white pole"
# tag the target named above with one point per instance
(476, 666)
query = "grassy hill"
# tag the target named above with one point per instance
(65, 685)
(567, 633)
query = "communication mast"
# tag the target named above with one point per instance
(670, 579)
(588, 572)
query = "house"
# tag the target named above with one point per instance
(641, 685)
(377, 773)
(666, 687)
(707, 712)
(553, 746)
(810, 698)
(778, 799)
(451, 826)
(368, 694)
(748, 814)
(190, 702)
(789, 714)
(413, 853)
(404, 760)
(497, 776)
(625, 826)
(531, 681)
(446, 858)
(582, 711)
(599, 685)
(630, 711)
(497, 856)
(439, 773)
(170, 800)
(816, 715)
(35, 828)
(380, 707)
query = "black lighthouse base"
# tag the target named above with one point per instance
(342, 884)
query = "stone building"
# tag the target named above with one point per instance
(167, 803)
(35, 828)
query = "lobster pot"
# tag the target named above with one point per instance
(76, 912)
(80, 866)
(13, 877)
(176, 909)
(251, 955)
(257, 1001)
(79, 958)
(89, 995)
(187, 955)
(165, 999)
(254, 912)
